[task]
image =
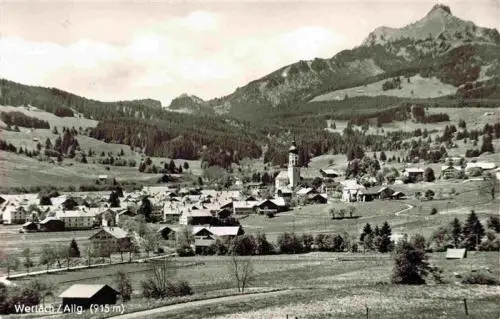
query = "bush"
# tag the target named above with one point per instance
(434, 211)
(185, 251)
(480, 278)
(179, 289)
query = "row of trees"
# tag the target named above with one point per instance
(20, 119)
(468, 235)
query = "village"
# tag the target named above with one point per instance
(210, 214)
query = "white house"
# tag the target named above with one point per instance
(14, 214)
(350, 190)
(76, 219)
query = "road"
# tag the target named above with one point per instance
(200, 303)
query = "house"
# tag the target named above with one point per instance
(456, 253)
(207, 236)
(285, 193)
(76, 219)
(29, 227)
(83, 295)
(224, 213)
(14, 214)
(482, 166)
(317, 199)
(109, 240)
(123, 214)
(244, 207)
(51, 224)
(377, 192)
(305, 192)
(268, 206)
(397, 195)
(413, 174)
(196, 217)
(350, 190)
(452, 172)
(167, 232)
(329, 173)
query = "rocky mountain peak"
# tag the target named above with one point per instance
(440, 9)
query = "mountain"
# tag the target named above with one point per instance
(439, 46)
(438, 23)
(149, 103)
(189, 104)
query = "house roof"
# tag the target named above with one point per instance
(312, 196)
(283, 175)
(199, 213)
(413, 170)
(456, 253)
(116, 232)
(83, 291)
(245, 204)
(28, 223)
(330, 171)
(447, 167)
(310, 173)
(280, 201)
(304, 191)
(48, 219)
(219, 231)
(482, 165)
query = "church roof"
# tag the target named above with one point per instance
(293, 148)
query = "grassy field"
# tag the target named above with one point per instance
(339, 287)
(418, 87)
(51, 118)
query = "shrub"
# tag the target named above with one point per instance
(179, 289)
(481, 277)
(434, 211)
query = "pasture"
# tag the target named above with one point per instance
(322, 285)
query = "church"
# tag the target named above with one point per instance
(291, 177)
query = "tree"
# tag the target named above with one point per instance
(383, 243)
(289, 243)
(242, 270)
(473, 231)
(124, 285)
(494, 223)
(114, 199)
(42, 288)
(146, 209)
(151, 241)
(429, 194)
(159, 275)
(171, 167)
(418, 241)
(382, 156)
(462, 124)
(429, 175)
(410, 264)
(47, 256)
(183, 241)
(244, 245)
(264, 247)
(27, 262)
(186, 166)
(74, 251)
(487, 145)
(366, 231)
(89, 252)
(11, 263)
(456, 232)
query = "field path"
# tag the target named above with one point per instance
(201, 303)
(404, 210)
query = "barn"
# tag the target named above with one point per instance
(85, 295)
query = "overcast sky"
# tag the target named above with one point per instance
(116, 50)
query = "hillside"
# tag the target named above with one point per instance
(189, 104)
(441, 46)
(414, 86)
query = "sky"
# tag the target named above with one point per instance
(119, 50)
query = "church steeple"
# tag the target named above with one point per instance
(293, 164)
